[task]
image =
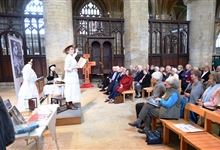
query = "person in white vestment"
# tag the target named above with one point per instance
(28, 88)
(71, 79)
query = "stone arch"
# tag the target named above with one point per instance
(78, 5)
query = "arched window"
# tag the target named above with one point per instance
(35, 7)
(34, 28)
(90, 10)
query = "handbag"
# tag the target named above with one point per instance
(118, 99)
(153, 137)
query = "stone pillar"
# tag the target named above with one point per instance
(136, 32)
(58, 31)
(201, 15)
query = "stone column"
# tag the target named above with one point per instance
(58, 31)
(201, 15)
(136, 32)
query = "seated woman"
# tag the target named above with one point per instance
(211, 96)
(158, 90)
(169, 106)
(144, 82)
(125, 84)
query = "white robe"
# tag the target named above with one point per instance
(28, 88)
(72, 87)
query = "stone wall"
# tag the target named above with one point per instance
(136, 33)
(201, 15)
(58, 31)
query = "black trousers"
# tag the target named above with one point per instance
(138, 108)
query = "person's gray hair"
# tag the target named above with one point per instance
(157, 76)
(173, 82)
(174, 69)
(156, 68)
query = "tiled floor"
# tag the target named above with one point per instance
(105, 126)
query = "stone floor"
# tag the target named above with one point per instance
(105, 126)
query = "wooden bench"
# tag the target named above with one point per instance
(131, 91)
(203, 140)
(40, 86)
(169, 124)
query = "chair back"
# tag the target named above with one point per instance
(194, 108)
(132, 86)
(152, 82)
(210, 117)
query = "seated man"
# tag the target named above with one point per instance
(113, 80)
(106, 80)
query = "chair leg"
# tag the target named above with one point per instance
(123, 97)
(132, 97)
(153, 124)
(143, 93)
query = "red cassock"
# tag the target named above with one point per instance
(126, 81)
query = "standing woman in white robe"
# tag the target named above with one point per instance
(28, 88)
(72, 87)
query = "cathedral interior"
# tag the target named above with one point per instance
(113, 33)
(107, 31)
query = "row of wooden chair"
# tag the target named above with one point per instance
(203, 139)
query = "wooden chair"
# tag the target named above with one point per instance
(203, 140)
(131, 91)
(180, 89)
(148, 89)
(169, 124)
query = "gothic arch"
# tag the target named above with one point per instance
(78, 5)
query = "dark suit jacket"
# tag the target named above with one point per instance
(206, 77)
(146, 81)
(139, 76)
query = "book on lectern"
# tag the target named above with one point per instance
(81, 62)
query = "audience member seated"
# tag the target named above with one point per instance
(125, 84)
(144, 82)
(158, 90)
(133, 71)
(139, 75)
(180, 71)
(156, 69)
(106, 80)
(121, 73)
(195, 94)
(152, 69)
(169, 106)
(166, 73)
(211, 96)
(184, 77)
(205, 74)
(112, 81)
(162, 70)
(174, 73)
